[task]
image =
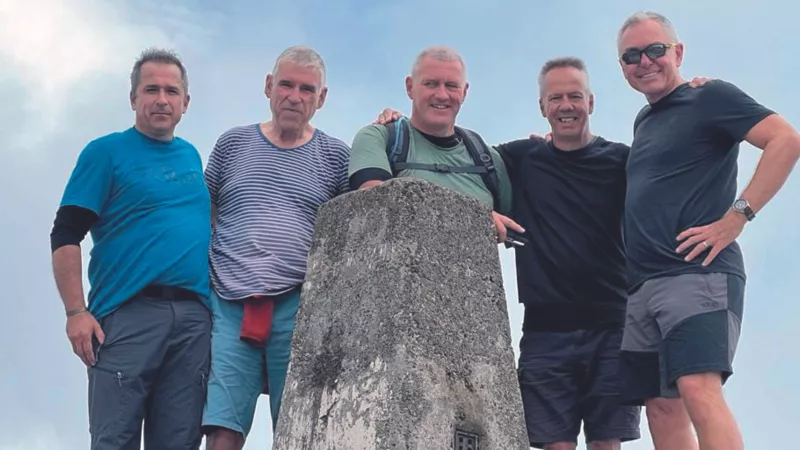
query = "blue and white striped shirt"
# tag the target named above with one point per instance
(267, 200)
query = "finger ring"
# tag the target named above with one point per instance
(705, 243)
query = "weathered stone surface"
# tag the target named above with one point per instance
(402, 336)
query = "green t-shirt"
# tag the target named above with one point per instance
(369, 152)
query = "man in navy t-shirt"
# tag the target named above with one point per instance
(145, 335)
(682, 216)
(569, 196)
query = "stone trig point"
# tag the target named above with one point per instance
(402, 338)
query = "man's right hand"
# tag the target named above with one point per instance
(547, 137)
(388, 115)
(81, 327)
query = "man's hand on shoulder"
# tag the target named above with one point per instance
(699, 81)
(547, 137)
(388, 115)
(501, 224)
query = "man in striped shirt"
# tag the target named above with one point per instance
(266, 183)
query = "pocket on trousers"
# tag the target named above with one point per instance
(202, 391)
(109, 400)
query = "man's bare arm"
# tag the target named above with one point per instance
(69, 229)
(369, 184)
(781, 145)
(781, 149)
(67, 270)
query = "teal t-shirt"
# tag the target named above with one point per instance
(154, 213)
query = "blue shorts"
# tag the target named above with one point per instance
(239, 372)
(569, 378)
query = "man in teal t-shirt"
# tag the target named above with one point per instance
(145, 333)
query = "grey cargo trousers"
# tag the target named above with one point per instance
(152, 367)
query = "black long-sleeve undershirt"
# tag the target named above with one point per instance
(70, 226)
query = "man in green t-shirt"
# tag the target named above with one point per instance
(437, 87)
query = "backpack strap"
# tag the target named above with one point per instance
(397, 144)
(482, 157)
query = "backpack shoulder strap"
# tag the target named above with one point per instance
(482, 157)
(397, 143)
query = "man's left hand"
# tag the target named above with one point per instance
(712, 237)
(501, 223)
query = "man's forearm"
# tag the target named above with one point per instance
(369, 184)
(67, 271)
(772, 171)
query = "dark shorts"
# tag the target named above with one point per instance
(151, 368)
(572, 377)
(677, 326)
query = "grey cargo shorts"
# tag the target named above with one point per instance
(676, 326)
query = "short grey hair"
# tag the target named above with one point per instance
(439, 53)
(302, 56)
(558, 63)
(158, 55)
(644, 16)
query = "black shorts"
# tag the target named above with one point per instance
(572, 377)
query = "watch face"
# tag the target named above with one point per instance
(740, 205)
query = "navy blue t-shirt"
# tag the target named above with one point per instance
(572, 274)
(682, 173)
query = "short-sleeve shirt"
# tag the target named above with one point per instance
(154, 212)
(682, 173)
(369, 155)
(572, 275)
(267, 199)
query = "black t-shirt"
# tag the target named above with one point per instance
(572, 274)
(682, 173)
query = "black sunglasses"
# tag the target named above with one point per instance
(653, 51)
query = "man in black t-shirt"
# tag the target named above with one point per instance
(569, 196)
(682, 216)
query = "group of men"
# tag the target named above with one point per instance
(632, 281)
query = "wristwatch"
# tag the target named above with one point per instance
(742, 206)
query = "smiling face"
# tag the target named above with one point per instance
(437, 90)
(566, 102)
(655, 77)
(159, 99)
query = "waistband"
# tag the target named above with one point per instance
(573, 316)
(168, 293)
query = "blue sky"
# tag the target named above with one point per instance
(64, 80)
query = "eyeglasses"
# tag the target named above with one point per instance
(653, 51)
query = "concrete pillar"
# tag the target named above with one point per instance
(402, 338)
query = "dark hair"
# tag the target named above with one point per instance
(161, 56)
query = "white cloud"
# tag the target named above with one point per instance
(57, 51)
(41, 437)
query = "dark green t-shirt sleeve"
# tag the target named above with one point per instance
(505, 191)
(368, 160)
